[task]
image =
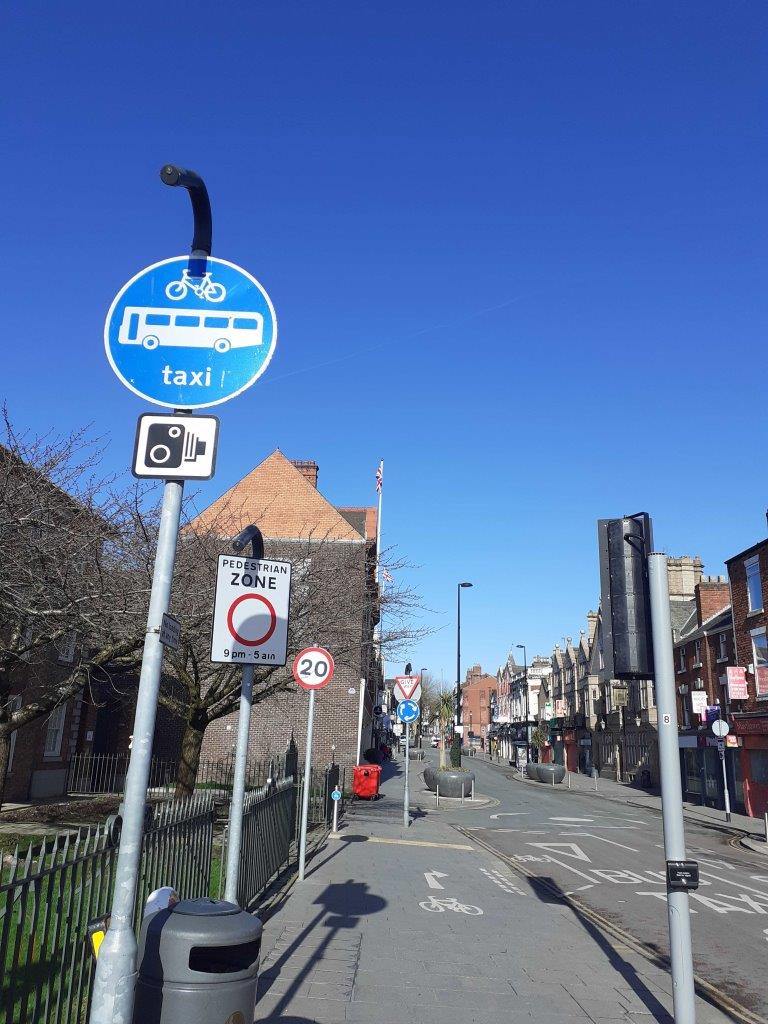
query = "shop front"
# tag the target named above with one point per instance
(752, 731)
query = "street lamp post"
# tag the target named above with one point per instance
(421, 704)
(456, 734)
(527, 709)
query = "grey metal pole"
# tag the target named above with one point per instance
(307, 787)
(725, 786)
(113, 986)
(683, 992)
(335, 817)
(406, 794)
(238, 787)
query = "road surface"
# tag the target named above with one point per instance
(610, 858)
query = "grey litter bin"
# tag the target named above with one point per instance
(198, 964)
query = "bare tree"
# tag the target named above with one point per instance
(76, 554)
(333, 597)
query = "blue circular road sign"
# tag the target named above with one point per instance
(407, 711)
(336, 794)
(187, 333)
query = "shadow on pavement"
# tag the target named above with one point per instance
(548, 891)
(341, 906)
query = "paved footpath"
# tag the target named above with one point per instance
(424, 926)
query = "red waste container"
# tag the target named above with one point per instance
(365, 781)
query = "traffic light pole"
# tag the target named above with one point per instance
(683, 991)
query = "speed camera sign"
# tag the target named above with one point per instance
(313, 668)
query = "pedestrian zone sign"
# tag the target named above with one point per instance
(408, 688)
(188, 333)
(250, 616)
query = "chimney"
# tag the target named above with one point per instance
(712, 595)
(591, 625)
(308, 469)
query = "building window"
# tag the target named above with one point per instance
(55, 732)
(697, 653)
(754, 588)
(760, 654)
(723, 648)
(643, 695)
(681, 659)
(759, 766)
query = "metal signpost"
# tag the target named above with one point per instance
(312, 669)
(336, 797)
(682, 875)
(721, 729)
(407, 712)
(250, 628)
(159, 340)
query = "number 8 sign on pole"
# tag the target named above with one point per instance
(312, 669)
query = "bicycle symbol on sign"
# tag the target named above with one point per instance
(203, 287)
(437, 906)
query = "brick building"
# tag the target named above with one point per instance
(478, 695)
(703, 648)
(748, 576)
(298, 523)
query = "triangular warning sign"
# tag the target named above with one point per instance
(407, 685)
(564, 849)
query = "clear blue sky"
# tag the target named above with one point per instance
(517, 249)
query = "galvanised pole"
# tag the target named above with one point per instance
(683, 992)
(307, 787)
(113, 987)
(238, 787)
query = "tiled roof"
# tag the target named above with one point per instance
(279, 499)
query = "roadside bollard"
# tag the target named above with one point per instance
(198, 962)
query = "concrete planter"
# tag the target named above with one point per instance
(549, 772)
(530, 771)
(451, 782)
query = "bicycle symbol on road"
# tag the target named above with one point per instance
(438, 906)
(203, 287)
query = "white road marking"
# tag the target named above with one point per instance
(508, 814)
(536, 832)
(570, 867)
(563, 849)
(572, 819)
(580, 888)
(503, 883)
(662, 896)
(618, 877)
(439, 906)
(602, 839)
(432, 879)
(730, 881)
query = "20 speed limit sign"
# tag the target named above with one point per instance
(313, 668)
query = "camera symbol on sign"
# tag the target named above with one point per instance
(169, 445)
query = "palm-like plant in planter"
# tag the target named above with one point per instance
(445, 714)
(539, 739)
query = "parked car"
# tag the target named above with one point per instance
(435, 741)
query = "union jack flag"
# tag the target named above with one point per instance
(380, 476)
(388, 577)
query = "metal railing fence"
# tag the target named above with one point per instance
(267, 839)
(105, 774)
(48, 896)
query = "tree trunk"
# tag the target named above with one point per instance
(5, 753)
(189, 759)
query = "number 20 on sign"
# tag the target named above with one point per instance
(313, 668)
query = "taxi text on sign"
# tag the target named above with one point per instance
(187, 338)
(250, 616)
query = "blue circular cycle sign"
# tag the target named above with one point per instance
(188, 333)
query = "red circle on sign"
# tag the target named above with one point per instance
(314, 682)
(231, 624)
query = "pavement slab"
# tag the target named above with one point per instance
(417, 928)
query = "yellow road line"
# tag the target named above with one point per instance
(418, 842)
